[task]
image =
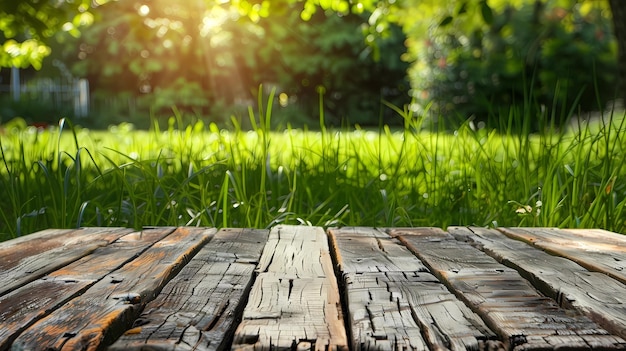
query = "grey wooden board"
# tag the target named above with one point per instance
(412, 311)
(598, 250)
(30, 257)
(369, 250)
(294, 302)
(199, 308)
(597, 295)
(294, 250)
(525, 319)
(102, 313)
(24, 306)
(405, 307)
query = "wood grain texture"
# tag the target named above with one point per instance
(200, 307)
(400, 305)
(361, 250)
(296, 252)
(596, 250)
(21, 308)
(403, 289)
(30, 257)
(294, 302)
(525, 319)
(105, 310)
(596, 295)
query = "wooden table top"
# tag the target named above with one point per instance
(306, 288)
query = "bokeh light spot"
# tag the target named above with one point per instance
(283, 99)
(144, 10)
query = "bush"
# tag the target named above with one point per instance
(548, 58)
(32, 110)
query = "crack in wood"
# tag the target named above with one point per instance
(181, 337)
(370, 316)
(211, 323)
(441, 334)
(290, 289)
(128, 298)
(517, 340)
(380, 245)
(269, 263)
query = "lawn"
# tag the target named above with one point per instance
(199, 175)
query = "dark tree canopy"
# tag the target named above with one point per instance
(29, 25)
(618, 9)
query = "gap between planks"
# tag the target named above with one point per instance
(199, 308)
(505, 300)
(595, 294)
(395, 303)
(103, 312)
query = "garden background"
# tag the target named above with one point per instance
(253, 113)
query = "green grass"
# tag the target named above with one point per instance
(199, 175)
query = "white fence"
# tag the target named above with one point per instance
(59, 93)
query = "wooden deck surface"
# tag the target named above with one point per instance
(306, 288)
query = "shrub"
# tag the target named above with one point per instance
(32, 110)
(550, 58)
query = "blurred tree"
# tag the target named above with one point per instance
(536, 53)
(618, 9)
(25, 26)
(204, 57)
(328, 51)
(422, 18)
(146, 48)
(38, 20)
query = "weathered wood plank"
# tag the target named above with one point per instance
(294, 302)
(24, 306)
(402, 311)
(524, 318)
(290, 250)
(199, 308)
(596, 250)
(109, 307)
(360, 250)
(404, 307)
(598, 296)
(30, 257)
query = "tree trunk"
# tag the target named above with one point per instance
(618, 8)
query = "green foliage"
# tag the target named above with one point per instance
(550, 56)
(470, 57)
(31, 110)
(207, 59)
(27, 24)
(328, 52)
(23, 54)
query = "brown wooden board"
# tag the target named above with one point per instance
(26, 305)
(199, 308)
(525, 319)
(294, 302)
(30, 257)
(103, 312)
(400, 305)
(595, 294)
(597, 250)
